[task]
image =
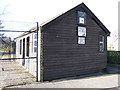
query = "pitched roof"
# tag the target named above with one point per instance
(96, 19)
(82, 5)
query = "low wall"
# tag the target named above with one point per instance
(30, 65)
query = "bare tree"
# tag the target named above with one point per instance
(2, 13)
(1, 24)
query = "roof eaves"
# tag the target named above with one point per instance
(96, 19)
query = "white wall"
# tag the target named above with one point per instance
(30, 64)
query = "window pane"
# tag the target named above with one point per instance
(81, 14)
(35, 43)
(35, 36)
(20, 46)
(35, 49)
(101, 47)
(81, 20)
(81, 40)
(101, 43)
(81, 31)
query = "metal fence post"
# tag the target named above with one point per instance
(37, 54)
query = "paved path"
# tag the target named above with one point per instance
(106, 81)
(93, 81)
(15, 77)
(13, 74)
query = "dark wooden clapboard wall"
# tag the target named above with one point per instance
(63, 56)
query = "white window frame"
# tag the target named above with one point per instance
(34, 46)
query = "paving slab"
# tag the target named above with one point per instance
(12, 74)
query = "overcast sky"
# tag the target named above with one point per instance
(42, 10)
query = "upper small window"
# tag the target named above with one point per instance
(81, 17)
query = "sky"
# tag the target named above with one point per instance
(31, 11)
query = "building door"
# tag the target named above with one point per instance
(27, 46)
(23, 56)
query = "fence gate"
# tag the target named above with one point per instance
(18, 42)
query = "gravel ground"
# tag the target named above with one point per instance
(13, 74)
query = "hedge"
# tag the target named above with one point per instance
(113, 57)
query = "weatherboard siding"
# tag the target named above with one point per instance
(63, 56)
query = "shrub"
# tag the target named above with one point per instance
(113, 57)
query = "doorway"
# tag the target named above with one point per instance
(23, 56)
